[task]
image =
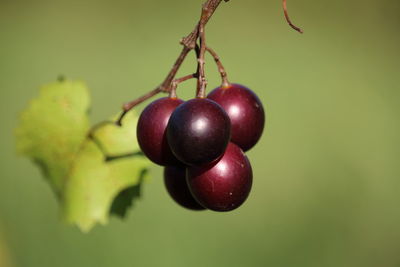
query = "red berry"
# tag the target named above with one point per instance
(175, 182)
(245, 111)
(198, 131)
(224, 185)
(151, 130)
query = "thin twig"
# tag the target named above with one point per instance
(128, 106)
(211, 5)
(221, 69)
(185, 78)
(171, 75)
(176, 82)
(288, 18)
(201, 58)
(197, 50)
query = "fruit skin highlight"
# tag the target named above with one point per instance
(223, 185)
(151, 130)
(198, 131)
(245, 111)
(175, 182)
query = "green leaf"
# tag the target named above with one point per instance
(53, 128)
(94, 182)
(94, 175)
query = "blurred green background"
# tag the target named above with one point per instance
(326, 189)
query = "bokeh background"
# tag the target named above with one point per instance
(327, 173)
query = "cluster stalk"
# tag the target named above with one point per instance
(195, 40)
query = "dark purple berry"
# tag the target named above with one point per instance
(198, 131)
(151, 130)
(245, 111)
(175, 182)
(224, 185)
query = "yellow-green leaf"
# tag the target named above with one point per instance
(94, 182)
(53, 127)
(93, 175)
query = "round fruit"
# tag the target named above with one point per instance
(175, 182)
(224, 185)
(245, 111)
(198, 131)
(151, 130)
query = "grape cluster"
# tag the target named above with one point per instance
(201, 143)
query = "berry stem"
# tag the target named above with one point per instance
(202, 84)
(197, 50)
(221, 69)
(172, 92)
(185, 78)
(171, 75)
(128, 106)
(176, 82)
